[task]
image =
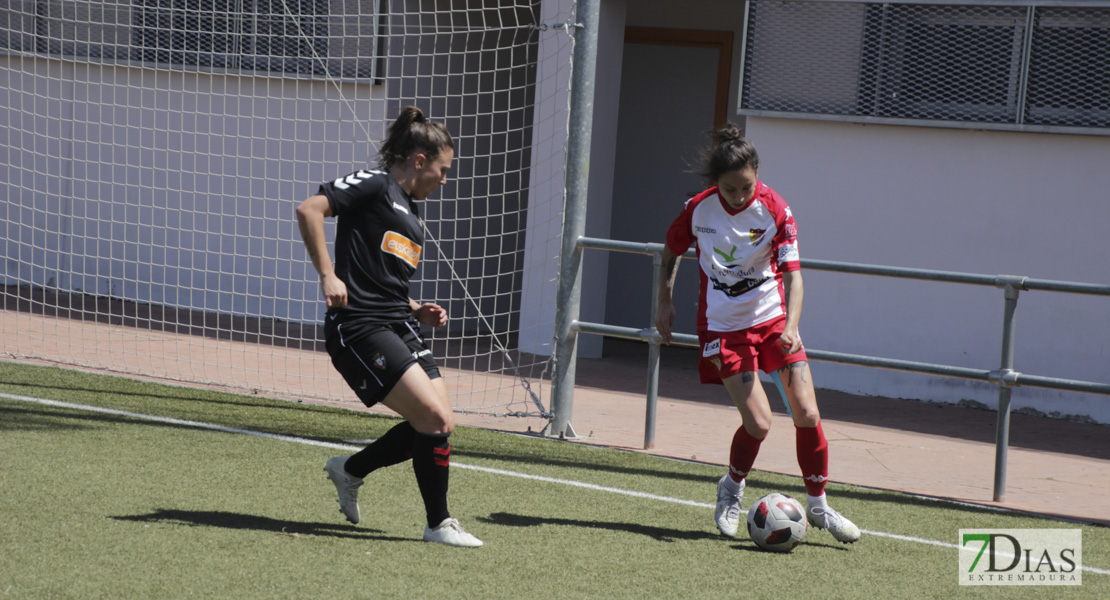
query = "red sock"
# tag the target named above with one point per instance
(742, 455)
(813, 458)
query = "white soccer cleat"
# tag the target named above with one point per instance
(729, 508)
(826, 518)
(450, 533)
(346, 485)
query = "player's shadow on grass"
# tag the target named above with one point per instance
(230, 520)
(48, 418)
(185, 395)
(662, 534)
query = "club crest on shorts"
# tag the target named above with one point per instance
(378, 361)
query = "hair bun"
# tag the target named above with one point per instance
(730, 133)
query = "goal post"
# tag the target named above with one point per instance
(153, 152)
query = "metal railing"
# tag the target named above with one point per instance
(1004, 377)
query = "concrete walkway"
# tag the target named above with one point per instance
(1056, 468)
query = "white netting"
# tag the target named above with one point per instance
(153, 152)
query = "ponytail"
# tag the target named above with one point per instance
(411, 134)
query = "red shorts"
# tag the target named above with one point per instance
(724, 354)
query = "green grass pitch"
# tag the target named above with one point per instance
(113, 505)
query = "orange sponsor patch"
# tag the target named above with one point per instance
(401, 247)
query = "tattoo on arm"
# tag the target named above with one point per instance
(670, 270)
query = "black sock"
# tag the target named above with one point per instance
(431, 462)
(393, 447)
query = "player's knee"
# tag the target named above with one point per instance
(807, 417)
(438, 421)
(758, 428)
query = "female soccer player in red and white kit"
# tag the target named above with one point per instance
(748, 311)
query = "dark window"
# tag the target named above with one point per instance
(196, 33)
(1017, 66)
(274, 40)
(1069, 71)
(340, 38)
(83, 29)
(959, 63)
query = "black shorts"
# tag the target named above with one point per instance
(375, 361)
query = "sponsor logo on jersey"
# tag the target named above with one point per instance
(791, 231)
(733, 271)
(788, 253)
(400, 208)
(401, 247)
(740, 287)
(700, 229)
(756, 235)
(729, 256)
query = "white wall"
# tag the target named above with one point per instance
(1036, 205)
(537, 307)
(109, 193)
(603, 154)
(547, 192)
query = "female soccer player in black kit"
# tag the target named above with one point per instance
(371, 327)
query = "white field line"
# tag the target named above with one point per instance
(457, 465)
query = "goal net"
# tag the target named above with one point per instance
(153, 152)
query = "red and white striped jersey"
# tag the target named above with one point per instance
(742, 255)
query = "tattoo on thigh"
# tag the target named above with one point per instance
(747, 376)
(801, 368)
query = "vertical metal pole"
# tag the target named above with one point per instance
(1026, 53)
(744, 53)
(569, 293)
(653, 340)
(1002, 431)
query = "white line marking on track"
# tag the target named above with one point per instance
(503, 472)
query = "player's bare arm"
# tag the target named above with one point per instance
(665, 313)
(792, 284)
(310, 218)
(428, 313)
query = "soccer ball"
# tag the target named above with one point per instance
(777, 523)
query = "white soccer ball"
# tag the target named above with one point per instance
(777, 522)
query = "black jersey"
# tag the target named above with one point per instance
(377, 246)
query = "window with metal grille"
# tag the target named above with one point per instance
(1069, 68)
(339, 38)
(93, 30)
(976, 64)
